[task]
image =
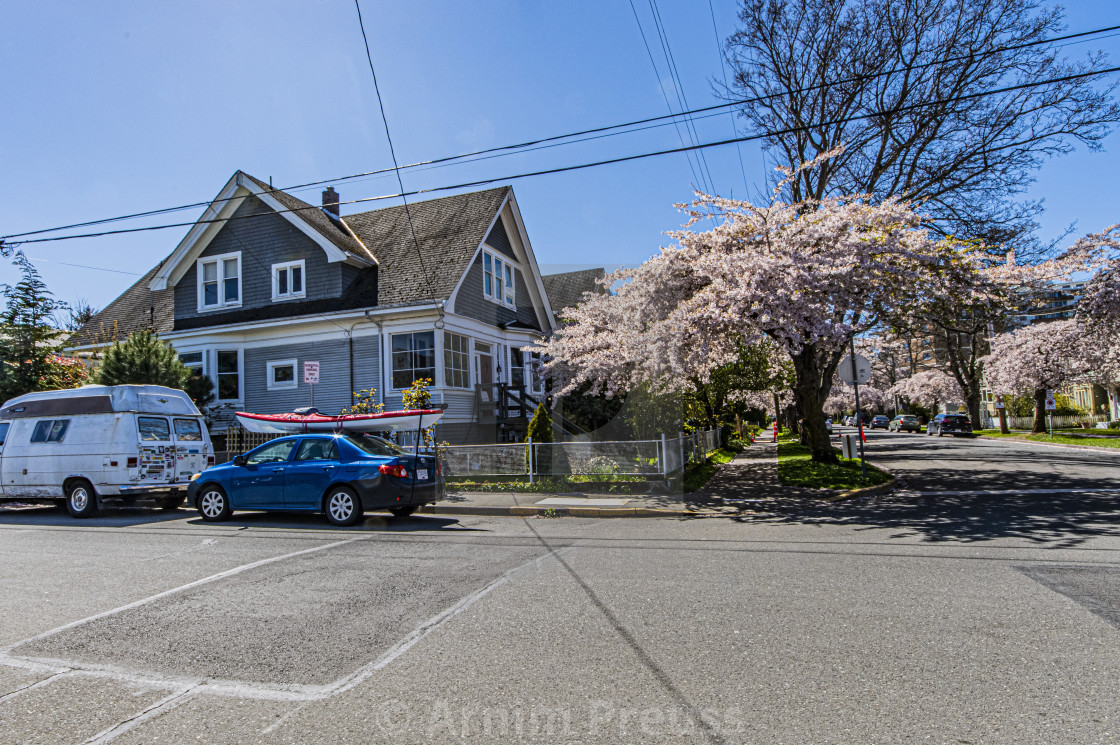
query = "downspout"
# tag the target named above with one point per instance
(380, 359)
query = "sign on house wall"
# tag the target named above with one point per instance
(311, 373)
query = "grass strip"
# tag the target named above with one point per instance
(1061, 439)
(797, 468)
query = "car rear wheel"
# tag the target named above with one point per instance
(404, 510)
(342, 507)
(213, 504)
(81, 501)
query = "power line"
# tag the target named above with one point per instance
(682, 97)
(723, 70)
(608, 161)
(554, 138)
(696, 179)
(611, 161)
(393, 153)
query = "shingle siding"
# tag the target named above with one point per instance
(472, 303)
(265, 239)
(332, 393)
(499, 240)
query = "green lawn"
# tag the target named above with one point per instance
(1064, 438)
(796, 468)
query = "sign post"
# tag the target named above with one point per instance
(311, 377)
(853, 371)
(1051, 405)
(1001, 411)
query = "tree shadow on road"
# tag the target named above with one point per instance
(1059, 520)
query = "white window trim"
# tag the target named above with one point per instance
(276, 269)
(466, 353)
(436, 350)
(222, 304)
(507, 291)
(240, 373)
(274, 386)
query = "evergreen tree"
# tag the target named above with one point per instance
(27, 336)
(540, 431)
(143, 359)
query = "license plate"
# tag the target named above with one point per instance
(422, 474)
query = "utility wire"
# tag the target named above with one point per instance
(682, 97)
(609, 161)
(695, 179)
(731, 114)
(593, 130)
(393, 153)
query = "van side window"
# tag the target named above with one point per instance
(50, 430)
(188, 429)
(4, 426)
(152, 428)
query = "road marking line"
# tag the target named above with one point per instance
(32, 686)
(295, 693)
(412, 638)
(159, 708)
(6, 650)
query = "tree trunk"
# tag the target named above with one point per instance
(806, 388)
(1039, 411)
(972, 401)
(1003, 422)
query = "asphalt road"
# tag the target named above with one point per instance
(919, 618)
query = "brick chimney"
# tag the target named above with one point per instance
(330, 200)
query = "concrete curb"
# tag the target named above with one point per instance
(535, 511)
(868, 491)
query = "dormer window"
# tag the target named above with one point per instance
(498, 279)
(219, 281)
(287, 281)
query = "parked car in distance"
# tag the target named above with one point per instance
(828, 425)
(880, 422)
(905, 423)
(949, 424)
(340, 475)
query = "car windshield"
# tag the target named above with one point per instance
(375, 445)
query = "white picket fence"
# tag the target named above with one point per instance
(662, 458)
(1060, 422)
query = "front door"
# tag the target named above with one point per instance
(260, 482)
(307, 476)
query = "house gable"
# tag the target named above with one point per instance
(334, 238)
(505, 238)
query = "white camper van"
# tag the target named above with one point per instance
(96, 444)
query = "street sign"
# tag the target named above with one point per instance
(1050, 393)
(860, 373)
(1051, 403)
(311, 373)
(999, 404)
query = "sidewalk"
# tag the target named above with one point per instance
(748, 483)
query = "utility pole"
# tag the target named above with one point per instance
(859, 415)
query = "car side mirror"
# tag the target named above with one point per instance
(239, 460)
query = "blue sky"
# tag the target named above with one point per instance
(120, 107)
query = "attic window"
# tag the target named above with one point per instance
(219, 281)
(498, 279)
(287, 280)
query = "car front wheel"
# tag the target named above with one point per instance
(342, 507)
(213, 504)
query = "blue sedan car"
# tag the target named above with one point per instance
(341, 476)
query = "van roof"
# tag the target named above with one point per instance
(100, 399)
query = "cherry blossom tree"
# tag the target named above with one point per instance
(1040, 357)
(807, 276)
(928, 388)
(1099, 309)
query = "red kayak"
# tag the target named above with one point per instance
(410, 419)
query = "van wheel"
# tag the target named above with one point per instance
(342, 506)
(81, 501)
(170, 504)
(213, 505)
